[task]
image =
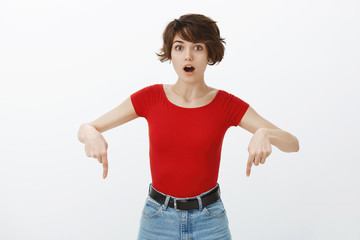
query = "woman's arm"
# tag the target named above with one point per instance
(283, 140)
(123, 113)
(90, 133)
(265, 134)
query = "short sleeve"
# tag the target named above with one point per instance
(235, 109)
(141, 101)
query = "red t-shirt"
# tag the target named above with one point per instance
(185, 143)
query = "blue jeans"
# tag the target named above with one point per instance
(160, 222)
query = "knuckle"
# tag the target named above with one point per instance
(259, 152)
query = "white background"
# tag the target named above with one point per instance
(66, 62)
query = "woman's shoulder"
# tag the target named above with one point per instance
(226, 93)
(229, 96)
(151, 87)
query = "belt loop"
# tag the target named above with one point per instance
(166, 203)
(149, 188)
(175, 206)
(200, 203)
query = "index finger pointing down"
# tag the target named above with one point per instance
(105, 165)
(249, 165)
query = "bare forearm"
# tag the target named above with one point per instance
(283, 140)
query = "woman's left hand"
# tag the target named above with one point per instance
(259, 149)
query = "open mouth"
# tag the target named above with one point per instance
(189, 68)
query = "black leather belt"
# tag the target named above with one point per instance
(186, 203)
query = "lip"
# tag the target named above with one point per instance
(188, 65)
(189, 73)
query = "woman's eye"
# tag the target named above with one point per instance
(178, 48)
(198, 48)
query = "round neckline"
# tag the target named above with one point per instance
(206, 105)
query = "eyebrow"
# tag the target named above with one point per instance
(183, 42)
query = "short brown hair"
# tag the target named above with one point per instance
(194, 28)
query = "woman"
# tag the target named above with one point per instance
(187, 122)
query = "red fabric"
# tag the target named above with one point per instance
(185, 143)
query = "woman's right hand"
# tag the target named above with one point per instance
(90, 133)
(95, 145)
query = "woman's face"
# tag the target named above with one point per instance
(189, 59)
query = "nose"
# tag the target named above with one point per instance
(188, 55)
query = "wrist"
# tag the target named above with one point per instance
(86, 131)
(266, 132)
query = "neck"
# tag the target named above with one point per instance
(190, 90)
